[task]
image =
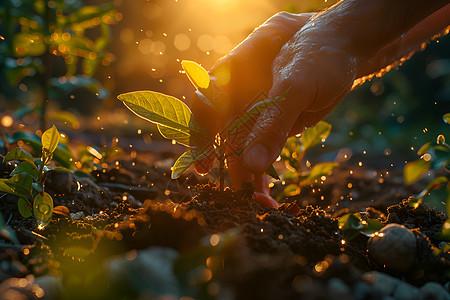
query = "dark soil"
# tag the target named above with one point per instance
(248, 252)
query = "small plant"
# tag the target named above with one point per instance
(433, 156)
(34, 32)
(300, 175)
(175, 120)
(28, 179)
(352, 224)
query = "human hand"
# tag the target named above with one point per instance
(245, 76)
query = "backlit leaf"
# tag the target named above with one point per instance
(414, 170)
(50, 140)
(163, 110)
(321, 169)
(350, 225)
(172, 134)
(24, 208)
(43, 207)
(19, 153)
(312, 136)
(182, 164)
(196, 74)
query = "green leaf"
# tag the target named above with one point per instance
(43, 207)
(182, 164)
(424, 149)
(163, 110)
(372, 226)
(312, 136)
(272, 172)
(254, 111)
(414, 170)
(291, 190)
(62, 153)
(19, 185)
(321, 169)
(196, 74)
(37, 187)
(350, 225)
(172, 134)
(29, 44)
(50, 140)
(26, 167)
(19, 153)
(24, 208)
(446, 118)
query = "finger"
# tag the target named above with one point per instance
(203, 166)
(236, 170)
(265, 200)
(205, 115)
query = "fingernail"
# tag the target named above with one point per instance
(256, 158)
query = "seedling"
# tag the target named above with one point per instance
(293, 153)
(352, 224)
(175, 121)
(28, 179)
(433, 156)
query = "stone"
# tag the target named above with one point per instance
(338, 290)
(434, 291)
(394, 246)
(405, 291)
(52, 286)
(381, 282)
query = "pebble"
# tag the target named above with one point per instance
(338, 290)
(434, 291)
(394, 246)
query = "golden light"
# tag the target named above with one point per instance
(7, 121)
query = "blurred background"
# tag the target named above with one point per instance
(145, 41)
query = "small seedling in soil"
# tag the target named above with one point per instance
(175, 121)
(300, 175)
(352, 224)
(28, 179)
(434, 156)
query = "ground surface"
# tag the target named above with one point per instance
(136, 234)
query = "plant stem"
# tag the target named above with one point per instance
(221, 168)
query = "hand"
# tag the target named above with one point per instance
(317, 67)
(245, 75)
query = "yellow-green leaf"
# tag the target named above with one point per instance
(446, 118)
(414, 170)
(196, 74)
(50, 140)
(321, 169)
(43, 207)
(162, 110)
(182, 164)
(312, 136)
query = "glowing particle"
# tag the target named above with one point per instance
(360, 164)
(342, 242)
(214, 240)
(7, 121)
(349, 185)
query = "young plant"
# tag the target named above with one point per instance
(300, 175)
(352, 224)
(34, 32)
(175, 120)
(28, 179)
(433, 156)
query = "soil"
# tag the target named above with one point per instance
(202, 243)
